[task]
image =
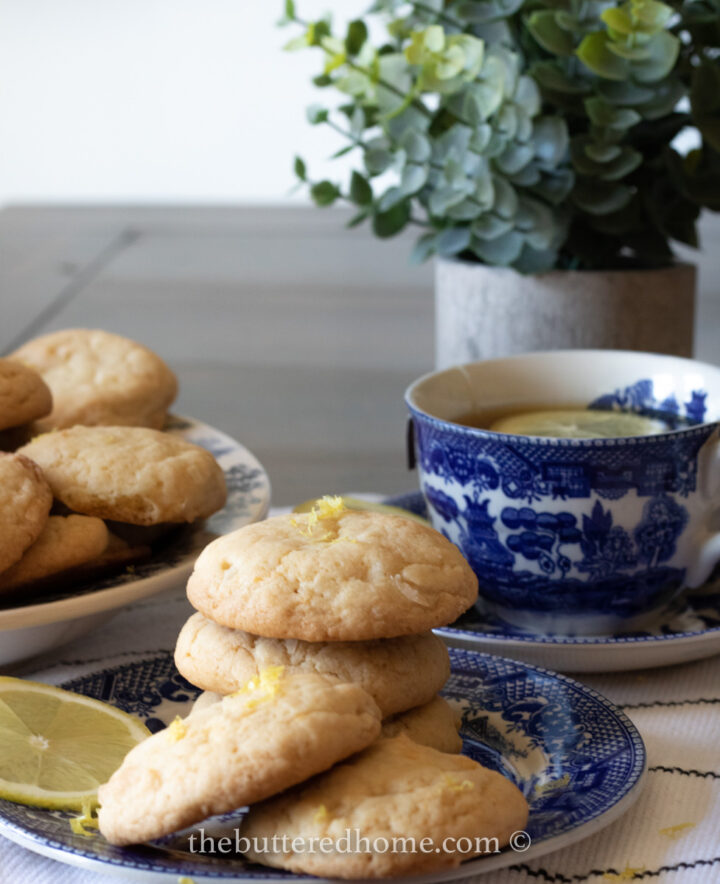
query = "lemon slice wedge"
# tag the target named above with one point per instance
(579, 424)
(356, 503)
(57, 747)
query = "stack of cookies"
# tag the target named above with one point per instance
(101, 483)
(316, 628)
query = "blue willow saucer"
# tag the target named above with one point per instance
(690, 630)
(578, 759)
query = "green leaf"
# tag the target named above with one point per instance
(324, 193)
(452, 240)
(413, 179)
(484, 11)
(663, 54)
(550, 140)
(595, 55)
(357, 34)
(300, 169)
(386, 224)
(546, 31)
(549, 75)
(603, 114)
(360, 190)
(416, 146)
(502, 250)
(322, 81)
(705, 89)
(357, 219)
(289, 9)
(491, 226)
(600, 198)
(602, 153)
(316, 114)
(423, 248)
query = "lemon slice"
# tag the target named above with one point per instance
(356, 503)
(57, 747)
(579, 424)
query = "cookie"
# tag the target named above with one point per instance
(65, 542)
(276, 732)
(24, 396)
(395, 789)
(25, 501)
(336, 575)
(205, 701)
(434, 724)
(98, 378)
(129, 474)
(398, 673)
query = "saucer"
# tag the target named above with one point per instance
(690, 630)
(579, 761)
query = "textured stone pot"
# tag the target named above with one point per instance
(486, 312)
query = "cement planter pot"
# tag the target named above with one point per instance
(486, 312)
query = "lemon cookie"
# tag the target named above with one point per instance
(25, 501)
(398, 673)
(24, 396)
(98, 378)
(65, 542)
(129, 474)
(336, 575)
(434, 724)
(395, 789)
(277, 731)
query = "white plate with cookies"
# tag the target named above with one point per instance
(75, 606)
(105, 497)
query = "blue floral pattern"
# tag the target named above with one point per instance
(579, 558)
(573, 754)
(640, 398)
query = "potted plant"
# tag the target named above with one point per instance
(533, 143)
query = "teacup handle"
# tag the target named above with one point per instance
(708, 553)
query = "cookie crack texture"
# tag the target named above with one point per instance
(399, 577)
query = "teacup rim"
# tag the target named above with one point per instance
(478, 432)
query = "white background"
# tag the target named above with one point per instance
(156, 100)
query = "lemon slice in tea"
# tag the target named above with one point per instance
(356, 503)
(579, 424)
(57, 747)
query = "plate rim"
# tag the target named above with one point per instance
(86, 604)
(635, 782)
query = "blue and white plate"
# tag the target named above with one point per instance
(578, 759)
(689, 630)
(27, 630)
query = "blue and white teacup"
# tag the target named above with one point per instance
(575, 536)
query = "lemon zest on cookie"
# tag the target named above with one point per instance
(677, 830)
(627, 874)
(455, 785)
(321, 814)
(327, 507)
(176, 729)
(86, 824)
(265, 686)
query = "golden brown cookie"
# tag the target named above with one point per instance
(337, 576)
(129, 474)
(24, 396)
(398, 673)
(434, 724)
(25, 501)
(395, 789)
(99, 378)
(65, 542)
(278, 731)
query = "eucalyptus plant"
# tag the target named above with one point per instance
(532, 134)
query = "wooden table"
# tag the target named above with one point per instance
(287, 331)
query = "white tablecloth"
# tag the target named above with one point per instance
(677, 711)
